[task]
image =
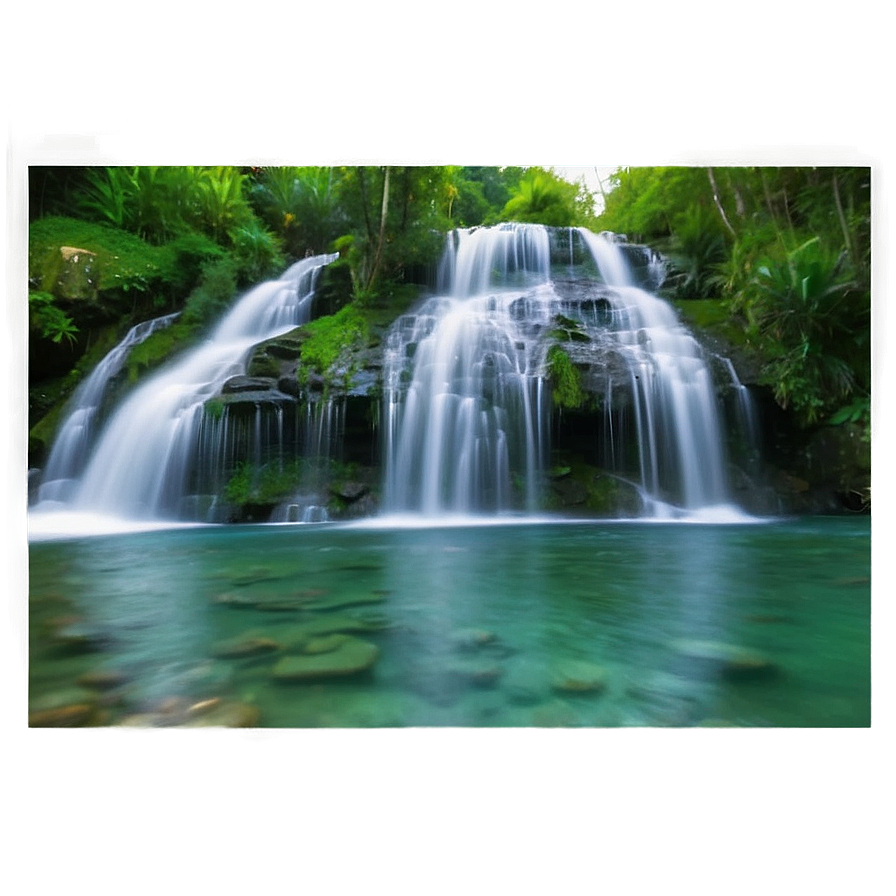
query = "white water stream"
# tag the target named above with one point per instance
(142, 462)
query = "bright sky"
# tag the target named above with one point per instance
(591, 175)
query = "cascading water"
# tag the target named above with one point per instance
(473, 412)
(467, 422)
(157, 440)
(76, 435)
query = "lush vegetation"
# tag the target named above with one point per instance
(788, 252)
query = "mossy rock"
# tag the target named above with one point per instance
(352, 656)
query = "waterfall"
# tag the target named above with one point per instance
(464, 410)
(466, 397)
(76, 434)
(150, 450)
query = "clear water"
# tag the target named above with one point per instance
(475, 625)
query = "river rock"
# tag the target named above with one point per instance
(733, 662)
(472, 638)
(73, 636)
(237, 601)
(478, 673)
(297, 636)
(579, 677)
(75, 715)
(351, 657)
(340, 601)
(223, 714)
(103, 679)
(325, 643)
(525, 685)
(244, 646)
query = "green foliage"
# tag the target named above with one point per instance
(265, 484)
(331, 344)
(812, 319)
(214, 407)
(565, 379)
(189, 255)
(258, 252)
(158, 348)
(45, 318)
(159, 202)
(214, 294)
(300, 206)
(787, 248)
(542, 197)
(698, 247)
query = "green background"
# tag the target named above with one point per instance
(434, 811)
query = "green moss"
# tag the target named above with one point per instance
(124, 262)
(713, 315)
(158, 348)
(330, 344)
(262, 485)
(565, 379)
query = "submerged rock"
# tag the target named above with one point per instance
(103, 679)
(476, 672)
(579, 677)
(340, 601)
(244, 646)
(731, 661)
(71, 635)
(351, 657)
(325, 644)
(472, 638)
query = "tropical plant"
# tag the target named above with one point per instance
(811, 318)
(698, 247)
(542, 197)
(300, 205)
(50, 321)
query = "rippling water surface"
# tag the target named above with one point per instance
(529, 624)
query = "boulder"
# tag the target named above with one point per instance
(72, 275)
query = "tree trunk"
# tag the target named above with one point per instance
(843, 225)
(718, 202)
(739, 205)
(381, 239)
